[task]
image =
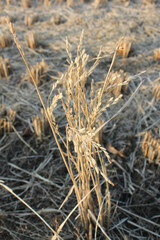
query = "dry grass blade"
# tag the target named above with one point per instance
(143, 228)
(31, 19)
(21, 200)
(5, 40)
(95, 220)
(32, 40)
(4, 67)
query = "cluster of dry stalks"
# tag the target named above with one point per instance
(157, 54)
(86, 165)
(117, 83)
(26, 3)
(7, 119)
(156, 89)
(124, 46)
(39, 72)
(40, 124)
(31, 19)
(32, 40)
(151, 147)
(5, 19)
(4, 67)
(5, 40)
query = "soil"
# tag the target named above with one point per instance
(33, 167)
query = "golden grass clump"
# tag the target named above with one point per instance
(39, 124)
(7, 118)
(83, 119)
(39, 72)
(31, 19)
(151, 147)
(117, 83)
(124, 46)
(26, 3)
(4, 67)
(157, 54)
(32, 40)
(5, 40)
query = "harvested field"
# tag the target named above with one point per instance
(79, 119)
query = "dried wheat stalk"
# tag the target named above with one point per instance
(4, 67)
(31, 39)
(151, 147)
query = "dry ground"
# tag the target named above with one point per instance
(33, 168)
